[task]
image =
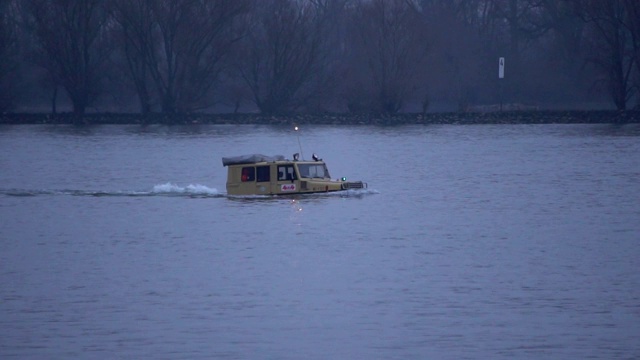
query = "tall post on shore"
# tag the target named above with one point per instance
(500, 77)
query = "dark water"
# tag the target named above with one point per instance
(477, 242)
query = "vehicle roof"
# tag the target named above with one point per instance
(250, 159)
(254, 159)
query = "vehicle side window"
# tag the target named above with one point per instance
(286, 172)
(248, 174)
(263, 174)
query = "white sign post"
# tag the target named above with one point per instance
(500, 77)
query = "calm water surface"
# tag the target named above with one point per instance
(477, 242)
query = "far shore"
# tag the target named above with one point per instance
(496, 117)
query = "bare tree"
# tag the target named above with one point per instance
(386, 51)
(557, 64)
(8, 51)
(632, 22)
(178, 47)
(71, 37)
(456, 52)
(285, 53)
(611, 45)
(137, 39)
(195, 37)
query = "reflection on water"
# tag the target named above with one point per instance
(471, 242)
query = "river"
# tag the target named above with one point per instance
(471, 242)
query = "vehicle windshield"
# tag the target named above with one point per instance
(313, 171)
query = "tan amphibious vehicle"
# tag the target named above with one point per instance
(258, 174)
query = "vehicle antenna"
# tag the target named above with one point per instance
(296, 129)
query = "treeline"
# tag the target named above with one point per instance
(310, 56)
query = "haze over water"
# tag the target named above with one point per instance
(479, 242)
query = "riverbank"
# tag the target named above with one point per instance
(505, 117)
